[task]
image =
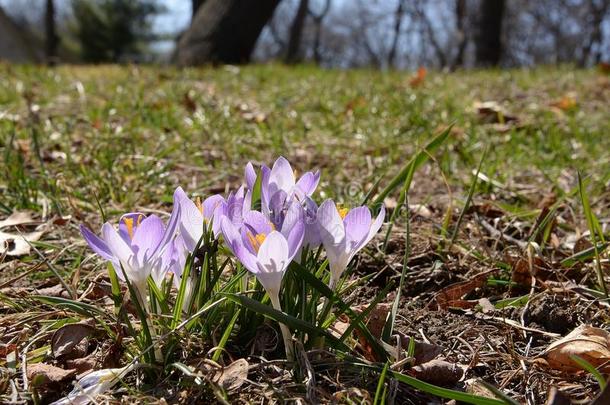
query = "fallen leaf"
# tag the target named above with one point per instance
(451, 296)
(589, 343)
(17, 245)
(17, 218)
(232, 376)
(438, 372)
(419, 78)
(491, 112)
(66, 341)
(47, 374)
(424, 352)
(421, 210)
(565, 103)
(83, 364)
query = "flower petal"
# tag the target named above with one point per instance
(121, 251)
(309, 182)
(191, 219)
(147, 237)
(272, 261)
(250, 175)
(95, 243)
(357, 225)
(128, 223)
(281, 177)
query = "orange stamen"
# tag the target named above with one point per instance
(256, 240)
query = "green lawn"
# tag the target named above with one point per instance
(84, 143)
(129, 135)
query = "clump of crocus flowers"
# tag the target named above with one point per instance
(269, 222)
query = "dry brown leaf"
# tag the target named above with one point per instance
(233, 376)
(17, 218)
(451, 296)
(17, 245)
(438, 372)
(421, 210)
(589, 343)
(66, 341)
(565, 103)
(419, 78)
(47, 374)
(491, 112)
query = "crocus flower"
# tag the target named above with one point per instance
(195, 215)
(138, 246)
(343, 233)
(281, 178)
(93, 384)
(262, 249)
(266, 252)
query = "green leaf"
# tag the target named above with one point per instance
(420, 158)
(286, 319)
(356, 320)
(584, 255)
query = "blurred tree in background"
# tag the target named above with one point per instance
(113, 30)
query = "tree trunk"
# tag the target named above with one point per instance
(224, 31)
(293, 54)
(397, 25)
(196, 4)
(317, 19)
(460, 17)
(489, 36)
(51, 38)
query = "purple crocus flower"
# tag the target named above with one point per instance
(281, 179)
(262, 249)
(194, 216)
(266, 252)
(345, 232)
(138, 246)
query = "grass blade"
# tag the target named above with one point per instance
(420, 158)
(286, 319)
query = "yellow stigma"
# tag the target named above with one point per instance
(199, 205)
(129, 224)
(256, 240)
(342, 211)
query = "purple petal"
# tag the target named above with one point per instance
(191, 220)
(265, 173)
(357, 225)
(147, 238)
(309, 182)
(250, 174)
(273, 249)
(95, 243)
(211, 204)
(135, 218)
(120, 250)
(294, 214)
(330, 224)
(246, 258)
(295, 239)
(281, 177)
(375, 226)
(230, 233)
(276, 207)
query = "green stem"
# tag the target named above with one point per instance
(287, 336)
